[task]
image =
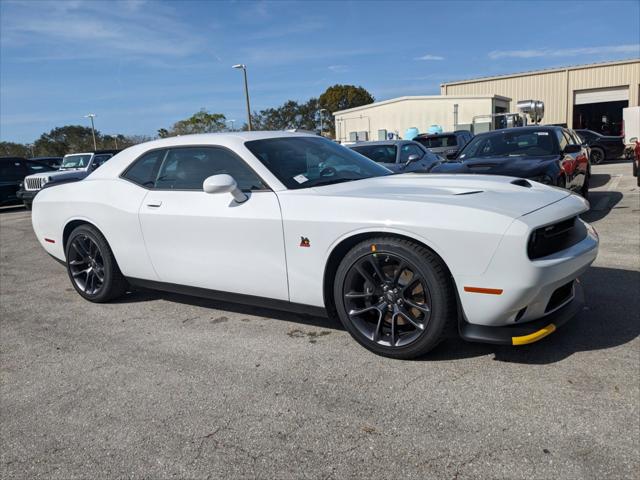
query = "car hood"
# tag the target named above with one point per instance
(511, 166)
(57, 175)
(504, 195)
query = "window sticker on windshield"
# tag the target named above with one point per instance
(542, 133)
(300, 178)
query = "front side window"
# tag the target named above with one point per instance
(562, 139)
(378, 153)
(187, 168)
(407, 150)
(75, 161)
(302, 162)
(524, 143)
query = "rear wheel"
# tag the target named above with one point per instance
(91, 266)
(394, 297)
(597, 156)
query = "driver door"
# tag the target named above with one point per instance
(209, 240)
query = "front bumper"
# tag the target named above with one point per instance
(529, 332)
(26, 196)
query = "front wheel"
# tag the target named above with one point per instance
(395, 297)
(91, 266)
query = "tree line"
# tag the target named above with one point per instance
(307, 115)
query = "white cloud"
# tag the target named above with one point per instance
(428, 56)
(632, 49)
(338, 68)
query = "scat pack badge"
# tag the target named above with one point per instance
(304, 242)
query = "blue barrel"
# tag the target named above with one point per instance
(411, 133)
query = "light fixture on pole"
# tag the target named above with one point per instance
(320, 114)
(246, 92)
(93, 129)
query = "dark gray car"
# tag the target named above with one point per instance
(400, 156)
(446, 144)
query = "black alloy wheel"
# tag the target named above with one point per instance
(395, 297)
(387, 301)
(86, 264)
(91, 266)
(597, 156)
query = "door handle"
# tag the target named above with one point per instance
(154, 203)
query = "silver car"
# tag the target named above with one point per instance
(400, 156)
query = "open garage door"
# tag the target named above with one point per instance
(600, 109)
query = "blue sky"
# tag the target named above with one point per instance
(142, 65)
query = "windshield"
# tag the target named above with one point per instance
(439, 141)
(378, 153)
(528, 143)
(76, 161)
(311, 161)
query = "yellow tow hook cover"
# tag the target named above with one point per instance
(535, 336)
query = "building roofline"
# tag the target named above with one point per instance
(419, 97)
(540, 72)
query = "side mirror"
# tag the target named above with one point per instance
(452, 155)
(572, 148)
(224, 183)
(414, 157)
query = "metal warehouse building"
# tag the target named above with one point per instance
(583, 96)
(376, 121)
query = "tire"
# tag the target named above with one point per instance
(597, 156)
(91, 266)
(584, 191)
(406, 304)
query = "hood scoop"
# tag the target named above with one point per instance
(521, 182)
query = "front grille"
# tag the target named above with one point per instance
(555, 238)
(561, 296)
(33, 183)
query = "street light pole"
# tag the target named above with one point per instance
(93, 129)
(246, 93)
(321, 125)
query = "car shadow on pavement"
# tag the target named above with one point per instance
(140, 295)
(598, 180)
(610, 318)
(601, 204)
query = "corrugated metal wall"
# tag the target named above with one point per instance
(555, 88)
(420, 112)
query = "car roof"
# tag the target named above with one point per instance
(380, 142)
(12, 158)
(528, 128)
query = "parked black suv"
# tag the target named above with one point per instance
(12, 172)
(602, 147)
(446, 144)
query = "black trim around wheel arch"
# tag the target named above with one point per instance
(504, 335)
(228, 297)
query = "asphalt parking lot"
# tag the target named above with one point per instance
(163, 386)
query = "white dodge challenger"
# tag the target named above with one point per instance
(295, 221)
